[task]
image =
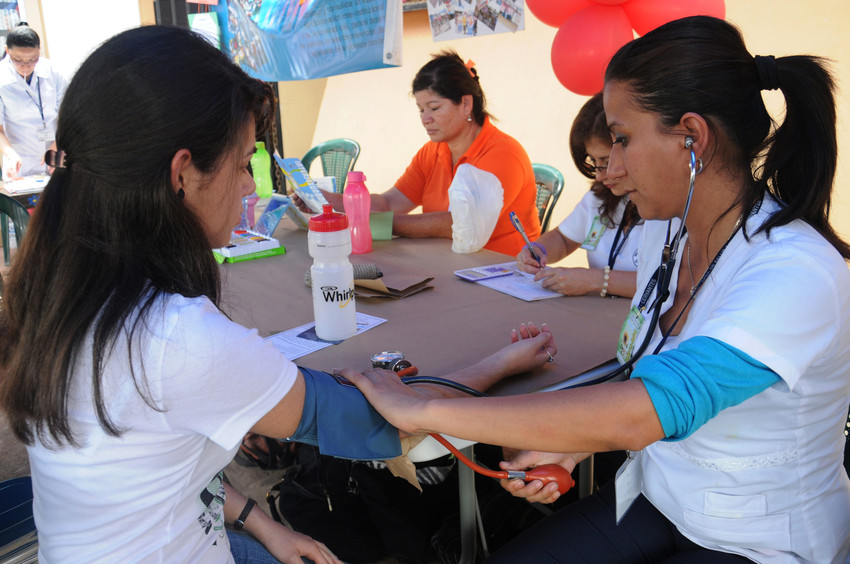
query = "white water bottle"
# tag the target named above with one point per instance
(329, 243)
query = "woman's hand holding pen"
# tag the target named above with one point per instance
(528, 263)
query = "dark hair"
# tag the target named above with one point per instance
(447, 75)
(23, 36)
(110, 235)
(590, 123)
(700, 64)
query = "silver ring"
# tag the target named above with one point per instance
(551, 358)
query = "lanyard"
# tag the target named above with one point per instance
(38, 104)
(615, 250)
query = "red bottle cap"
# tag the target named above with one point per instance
(328, 220)
(356, 176)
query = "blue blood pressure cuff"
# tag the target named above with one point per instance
(339, 420)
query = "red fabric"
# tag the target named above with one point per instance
(428, 177)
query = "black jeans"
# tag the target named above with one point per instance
(586, 532)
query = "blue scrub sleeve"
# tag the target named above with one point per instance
(339, 420)
(692, 383)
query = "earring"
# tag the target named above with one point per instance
(181, 194)
(469, 117)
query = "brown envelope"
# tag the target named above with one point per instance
(394, 287)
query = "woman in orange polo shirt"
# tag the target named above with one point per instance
(452, 108)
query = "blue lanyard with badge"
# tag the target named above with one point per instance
(43, 134)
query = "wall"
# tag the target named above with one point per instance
(375, 108)
(74, 28)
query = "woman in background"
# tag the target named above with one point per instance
(605, 223)
(453, 111)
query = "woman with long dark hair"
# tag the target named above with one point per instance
(131, 389)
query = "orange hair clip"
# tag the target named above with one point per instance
(469, 66)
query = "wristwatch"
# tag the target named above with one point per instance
(240, 522)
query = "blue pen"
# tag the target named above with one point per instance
(518, 227)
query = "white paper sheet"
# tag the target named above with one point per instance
(302, 340)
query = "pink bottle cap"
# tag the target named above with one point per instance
(356, 176)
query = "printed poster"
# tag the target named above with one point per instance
(279, 40)
(459, 19)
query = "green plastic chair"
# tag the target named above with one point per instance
(338, 157)
(9, 207)
(550, 183)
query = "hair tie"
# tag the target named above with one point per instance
(57, 159)
(766, 69)
(470, 66)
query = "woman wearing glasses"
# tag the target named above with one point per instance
(604, 223)
(30, 94)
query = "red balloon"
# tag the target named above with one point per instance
(555, 12)
(585, 43)
(646, 15)
(610, 2)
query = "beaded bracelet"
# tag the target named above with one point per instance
(606, 274)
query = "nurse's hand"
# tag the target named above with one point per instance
(535, 491)
(570, 281)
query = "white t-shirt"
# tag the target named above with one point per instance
(21, 108)
(153, 494)
(764, 478)
(585, 218)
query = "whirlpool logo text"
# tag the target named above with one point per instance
(332, 294)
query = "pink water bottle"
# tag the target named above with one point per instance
(357, 203)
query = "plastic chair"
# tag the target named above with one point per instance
(18, 536)
(9, 207)
(338, 158)
(550, 183)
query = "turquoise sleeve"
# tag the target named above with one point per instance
(692, 383)
(339, 420)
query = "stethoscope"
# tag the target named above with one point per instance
(661, 279)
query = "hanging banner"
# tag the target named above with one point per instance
(279, 40)
(457, 19)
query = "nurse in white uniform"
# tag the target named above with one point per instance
(30, 94)
(734, 413)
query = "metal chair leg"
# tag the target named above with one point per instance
(468, 518)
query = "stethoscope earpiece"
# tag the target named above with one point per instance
(689, 141)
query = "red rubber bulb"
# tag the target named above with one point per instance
(551, 473)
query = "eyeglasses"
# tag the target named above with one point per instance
(590, 163)
(23, 62)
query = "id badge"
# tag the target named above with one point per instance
(597, 229)
(45, 135)
(627, 486)
(629, 334)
